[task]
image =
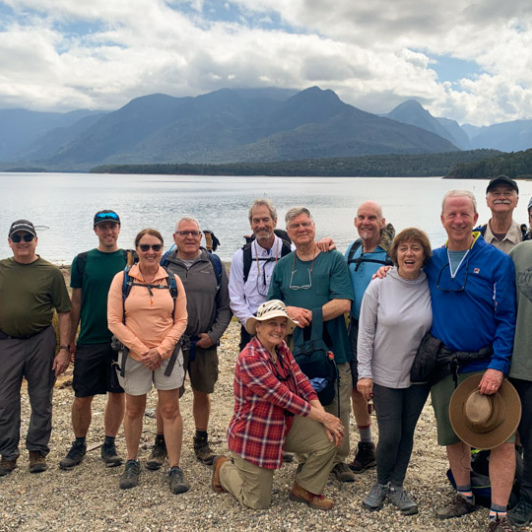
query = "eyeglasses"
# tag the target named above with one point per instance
(194, 234)
(28, 237)
(155, 247)
(450, 284)
(291, 285)
(106, 216)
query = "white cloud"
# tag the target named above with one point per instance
(66, 54)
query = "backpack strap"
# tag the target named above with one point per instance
(217, 267)
(286, 248)
(353, 249)
(359, 260)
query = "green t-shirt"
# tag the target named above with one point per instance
(328, 280)
(521, 363)
(28, 295)
(100, 268)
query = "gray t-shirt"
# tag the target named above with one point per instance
(395, 315)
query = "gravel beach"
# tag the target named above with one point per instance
(87, 498)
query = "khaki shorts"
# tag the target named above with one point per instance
(441, 393)
(203, 370)
(138, 379)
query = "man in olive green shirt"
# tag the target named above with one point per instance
(30, 289)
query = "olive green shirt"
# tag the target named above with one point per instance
(28, 295)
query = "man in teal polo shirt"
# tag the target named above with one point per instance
(307, 279)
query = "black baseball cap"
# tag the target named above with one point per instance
(502, 180)
(22, 225)
(106, 216)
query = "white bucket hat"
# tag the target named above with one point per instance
(271, 309)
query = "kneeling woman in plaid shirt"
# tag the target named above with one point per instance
(276, 410)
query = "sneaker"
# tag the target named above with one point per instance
(521, 514)
(202, 450)
(398, 496)
(109, 455)
(130, 477)
(299, 494)
(457, 507)
(7, 466)
(365, 457)
(177, 481)
(217, 464)
(500, 524)
(343, 473)
(74, 457)
(37, 462)
(158, 455)
(375, 498)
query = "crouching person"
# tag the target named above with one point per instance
(276, 410)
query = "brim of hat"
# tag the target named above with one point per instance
(499, 435)
(252, 322)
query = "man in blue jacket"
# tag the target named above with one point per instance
(473, 300)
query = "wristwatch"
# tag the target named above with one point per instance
(66, 347)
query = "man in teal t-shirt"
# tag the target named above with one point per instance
(307, 279)
(364, 257)
(94, 369)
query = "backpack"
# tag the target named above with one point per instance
(248, 259)
(127, 284)
(355, 246)
(215, 261)
(81, 260)
(316, 360)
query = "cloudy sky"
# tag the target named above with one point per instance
(470, 61)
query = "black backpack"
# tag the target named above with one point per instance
(351, 260)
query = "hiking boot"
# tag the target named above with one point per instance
(37, 462)
(7, 466)
(299, 494)
(177, 481)
(288, 457)
(343, 473)
(130, 477)
(500, 524)
(400, 499)
(375, 498)
(457, 507)
(521, 514)
(202, 450)
(217, 464)
(109, 455)
(158, 455)
(74, 457)
(365, 457)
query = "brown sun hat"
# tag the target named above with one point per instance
(484, 421)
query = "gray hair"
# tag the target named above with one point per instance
(187, 219)
(460, 194)
(294, 212)
(263, 202)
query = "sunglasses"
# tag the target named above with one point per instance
(146, 247)
(17, 238)
(106, 216)
(195, 234)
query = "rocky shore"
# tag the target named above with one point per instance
(88, 498)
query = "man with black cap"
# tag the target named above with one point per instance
(502, 231)
(94, 370)
(30, 289)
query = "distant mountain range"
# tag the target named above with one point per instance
(237, 126)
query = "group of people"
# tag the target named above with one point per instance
(168, 313)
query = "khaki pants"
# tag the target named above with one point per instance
(346, 386)
(251, 485)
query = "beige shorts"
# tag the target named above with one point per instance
(138, 379)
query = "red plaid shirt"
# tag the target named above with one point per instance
(263, 390)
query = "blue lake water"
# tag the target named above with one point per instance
(65, 204)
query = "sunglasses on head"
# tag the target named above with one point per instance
(107, 216)
(146, 247)
(27, 238)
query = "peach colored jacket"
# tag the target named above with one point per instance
(148, 316)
